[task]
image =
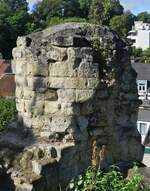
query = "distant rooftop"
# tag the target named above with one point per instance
(143, 70)
(7, 85)
(144, 115)
(5, 67)
(140, 25)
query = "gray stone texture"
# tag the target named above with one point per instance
(76, 94)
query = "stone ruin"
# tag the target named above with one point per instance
(77, 105)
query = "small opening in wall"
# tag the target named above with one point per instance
(28, 41)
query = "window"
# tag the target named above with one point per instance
(142, 127)
(142, 87)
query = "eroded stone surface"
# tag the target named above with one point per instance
(77, 103)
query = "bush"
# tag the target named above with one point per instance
(146, 52)
(59, 20)
(95, 180)
(137, 52)
(7, 112)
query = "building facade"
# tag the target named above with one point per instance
(143, 86)
(140, 35)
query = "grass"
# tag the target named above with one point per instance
(7, 111)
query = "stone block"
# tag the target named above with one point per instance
(84, 95)
(21, 80)
(57, 53)
(88, 70)
(17, 53)
(51, 95)
(19, 92)
(21, 67)
(36, 167)
(70, 109)
(60, 69)
(27, 121)
(33, 106)
(66, 95)
(40, 122)
(37, 69)
(52, 107)
(20, 105)
(45, 134)
(24, 41)
(60, 123)
(24, 187)
(62, 41)
(28, 94)
(38, 84)
(73, 83)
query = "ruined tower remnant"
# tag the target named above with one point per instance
(76, 94)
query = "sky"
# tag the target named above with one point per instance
(135, 6)
(32, 2)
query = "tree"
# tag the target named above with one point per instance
(14, 21)
(47, 9)
(137, 52)
(122, 24)
(144, 16)
(101, 11)
(85, 7)
(146, 52)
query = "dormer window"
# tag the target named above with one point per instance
(142, 86)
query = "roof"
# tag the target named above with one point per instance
(144, 115)
(7, 85)
(145, 103)
(143, 70)
(5, 67)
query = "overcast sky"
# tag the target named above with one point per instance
(135, 6)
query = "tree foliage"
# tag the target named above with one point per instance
(122, 23)
(85, 7)
(48, 9)
(143, 16)
(101, 11)
(14, 21)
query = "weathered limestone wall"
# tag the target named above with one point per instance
(76, 92)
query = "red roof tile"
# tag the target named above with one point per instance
(5, 67)
(7, 85)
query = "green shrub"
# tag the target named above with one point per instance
(7, 112)
(146, 52)
(95, 180)
(137, 52)
(59, 20)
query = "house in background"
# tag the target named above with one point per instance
(143, 79)
(143, 85)
(7, 81)
(140, 35)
